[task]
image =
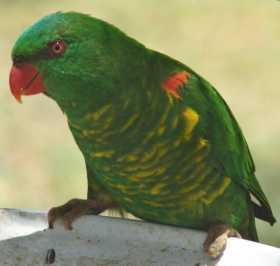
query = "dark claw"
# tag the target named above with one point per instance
(74, 209)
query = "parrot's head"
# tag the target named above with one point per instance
(65, 56)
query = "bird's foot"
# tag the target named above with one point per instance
(216, 240)
(72, 210)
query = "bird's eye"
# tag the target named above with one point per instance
(57, 48)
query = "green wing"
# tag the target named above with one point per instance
(230, 149)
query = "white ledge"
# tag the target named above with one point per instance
(97, 240)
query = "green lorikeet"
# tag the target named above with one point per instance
(158, 140)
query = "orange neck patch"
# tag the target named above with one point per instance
(175, 82)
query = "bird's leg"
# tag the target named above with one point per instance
(216, 240)
(74, 209)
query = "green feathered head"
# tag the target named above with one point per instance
(69, 57)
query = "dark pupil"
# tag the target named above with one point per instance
(57, 47)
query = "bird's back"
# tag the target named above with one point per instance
(169, 150)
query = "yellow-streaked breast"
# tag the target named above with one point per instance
(191, 120)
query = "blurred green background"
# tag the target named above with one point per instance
(233, 44)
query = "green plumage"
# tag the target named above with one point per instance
(158, 140)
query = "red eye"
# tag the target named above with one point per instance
(57, 48)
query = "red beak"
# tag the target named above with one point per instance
(25, 80)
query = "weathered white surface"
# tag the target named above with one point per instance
(100, 241)
(246, 253)
(15, 223)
